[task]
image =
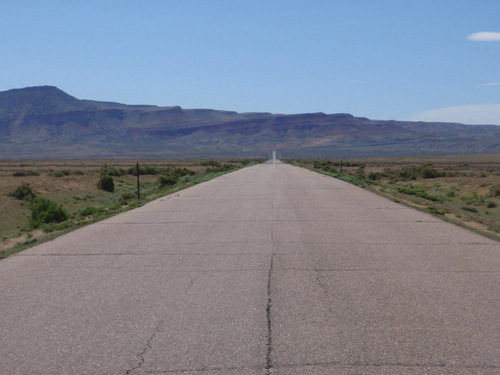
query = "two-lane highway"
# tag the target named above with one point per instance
(271, 269)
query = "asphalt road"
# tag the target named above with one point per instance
(272, 269)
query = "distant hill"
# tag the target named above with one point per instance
(45, 122)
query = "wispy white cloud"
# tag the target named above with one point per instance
(491, 84)
(480, 114)
(487, 36)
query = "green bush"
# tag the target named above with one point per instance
(491, 204)
(428, 172)
(470, 209)
(61, 173)
(167, 180)
(143, 170)
(474, 199)
(107, 170)
(422, 171)
(419, 192)
(22, 192)
(211, 163)
(45, 211)
(106, 183)
(374, 176)
(495, 191)
(360, 172)
(221, 168)
(185, 179)
(88, 211)
(179, 172)
(171, 176)
(125, 198)
(25, 173)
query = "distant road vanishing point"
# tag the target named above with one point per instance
(272, 269)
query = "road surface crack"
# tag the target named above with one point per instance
(141, 355)
(269, 339)
(191, 283)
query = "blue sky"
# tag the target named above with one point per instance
(383, 59)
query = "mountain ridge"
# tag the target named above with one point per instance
(46, 122)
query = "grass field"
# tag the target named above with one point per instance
(464, 190)
(72, 184)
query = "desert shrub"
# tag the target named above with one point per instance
(125, 198)
(419, 192)
(108, 170)
(422, 171)
(167, 180)
(91, 210)
(474, 199)
(221, 168)
(181, 172)
(495, 191)
(470, 209)
(428, 172)
(146, 169)
(211, 163)
(22, 192)
(241, 161)
(354, 179)
(408, 173)
(25, 173)
(61, 173)
(171, 176)
(491, 204)
(45, 211)
(360, 172)
(143, 170)
(351, 164)
(374, 176)
(106, 183)
(185, 179)
(88, 211)
(325, 165)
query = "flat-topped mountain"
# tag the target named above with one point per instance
(45, 122)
